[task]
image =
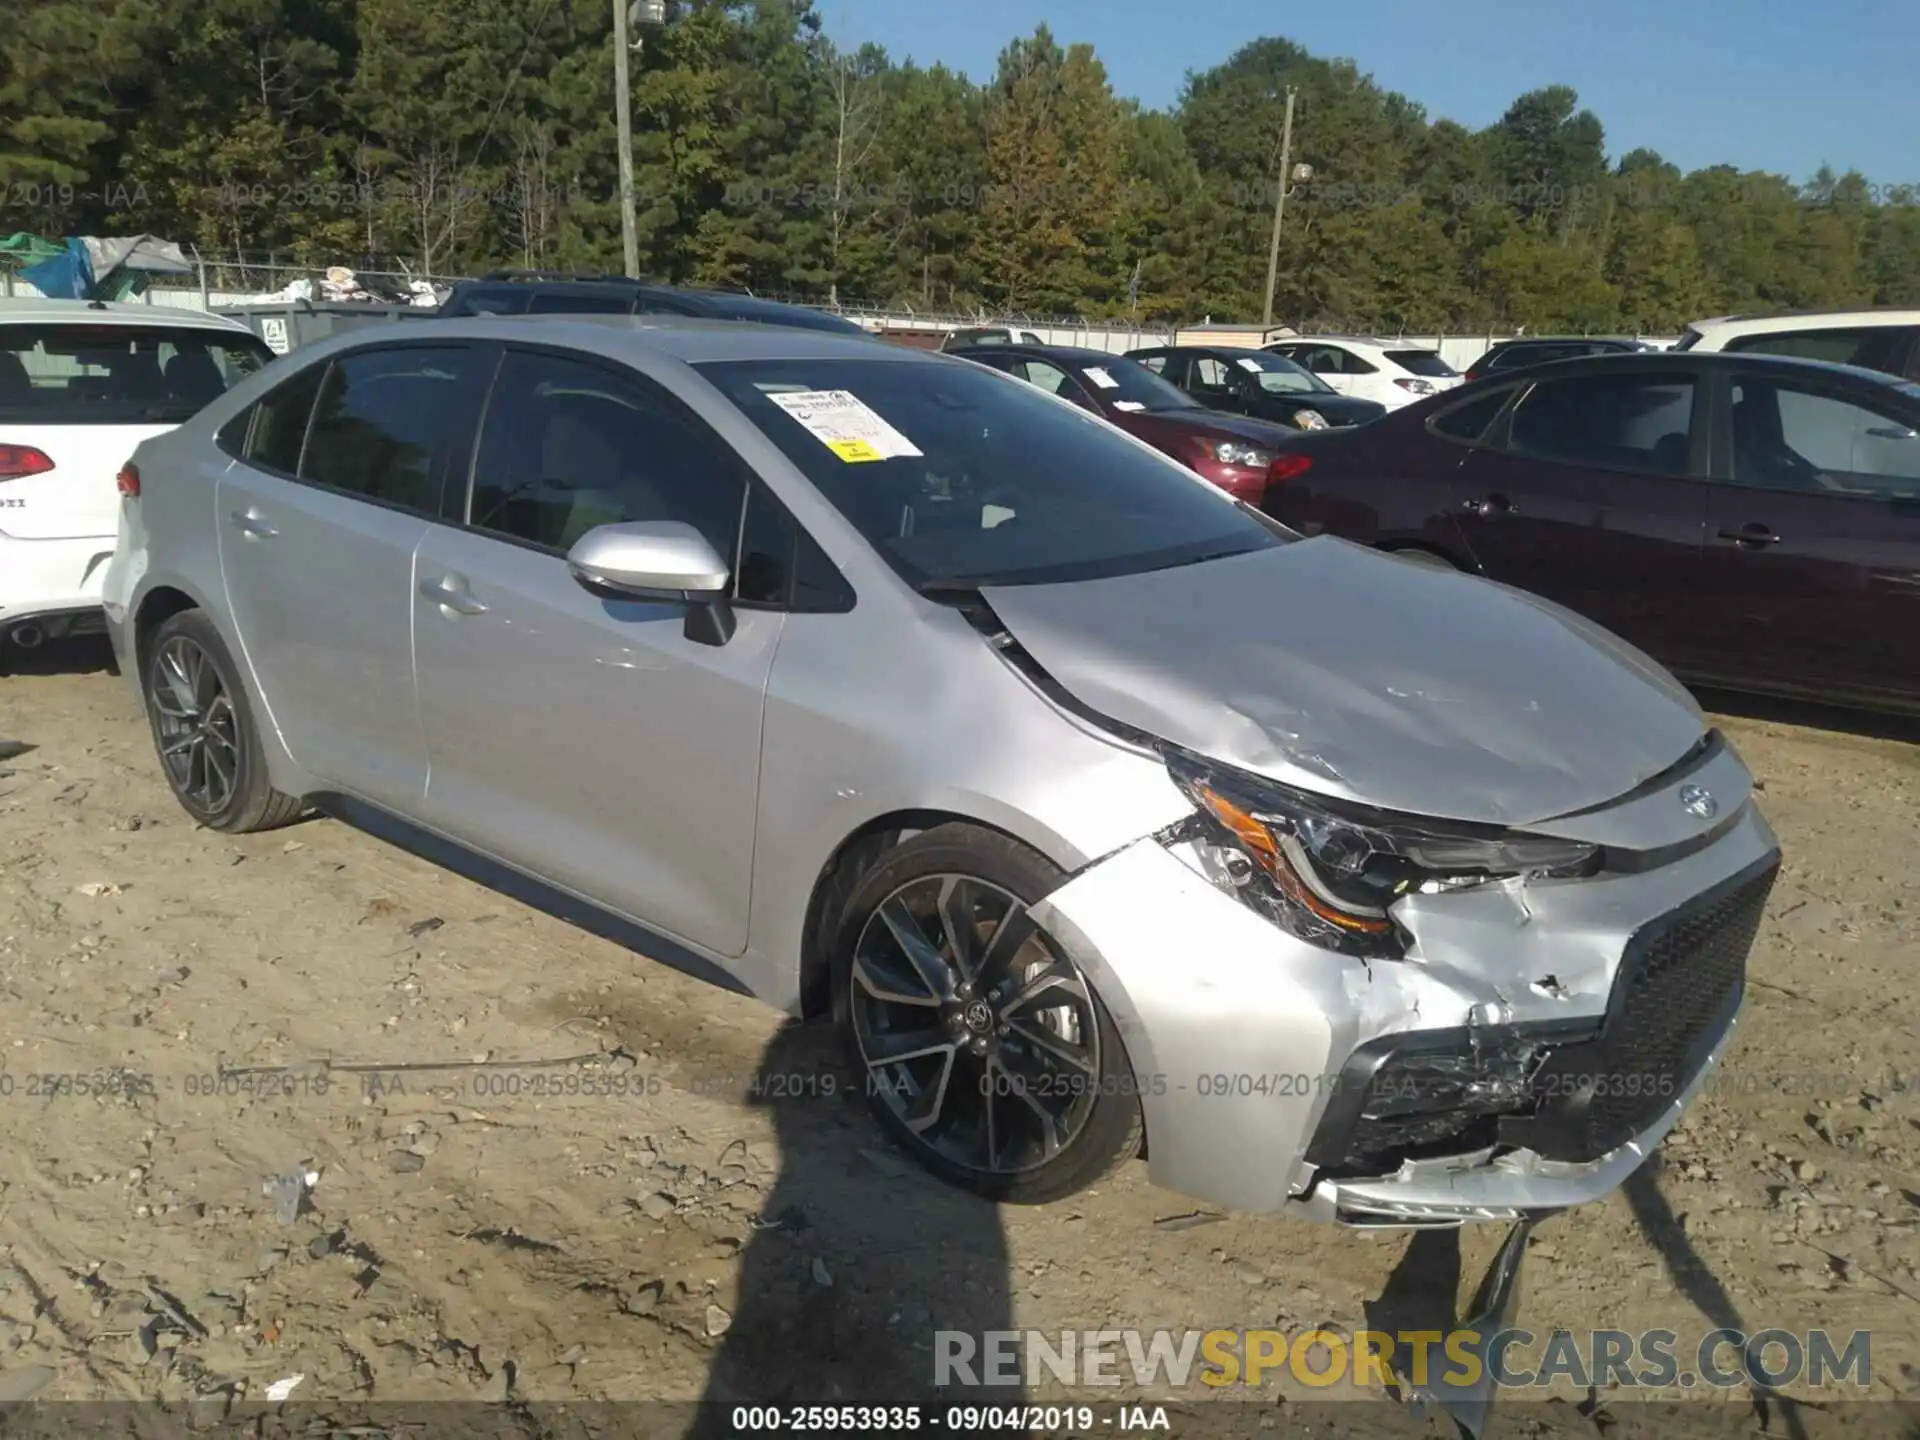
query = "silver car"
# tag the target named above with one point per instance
(1102, 814)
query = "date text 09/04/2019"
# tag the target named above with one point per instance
(960, 1419)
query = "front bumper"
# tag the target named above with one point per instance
(1242, 1036)
(51, 578)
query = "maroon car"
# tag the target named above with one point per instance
(1238, 454)
(1751, 521)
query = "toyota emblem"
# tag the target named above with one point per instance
(1698, 801)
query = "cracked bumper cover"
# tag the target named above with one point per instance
(1239, 1033)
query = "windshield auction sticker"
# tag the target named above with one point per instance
(1098, 375)
(845, 424)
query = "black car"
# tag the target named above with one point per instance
(542, 292)
(1257, 383)
(1542, 350)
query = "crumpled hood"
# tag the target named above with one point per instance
(1347, 672)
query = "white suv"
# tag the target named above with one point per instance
(1887, 340)
(1388, 371)
(81, 384)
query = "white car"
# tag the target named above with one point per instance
(82, 383)
(1887, 340)
(1388, 371)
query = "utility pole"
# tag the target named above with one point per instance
(1279, 210)
(623, 114)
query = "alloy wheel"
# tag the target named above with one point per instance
(977, 1033)
(194, 719)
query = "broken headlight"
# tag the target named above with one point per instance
(1329, 871)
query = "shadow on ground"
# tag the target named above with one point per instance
(860, 1262)
(77, 655)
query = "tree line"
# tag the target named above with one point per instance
(457, 135)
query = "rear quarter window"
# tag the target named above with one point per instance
(280, 422)
(1468, 421)
(1422, 362)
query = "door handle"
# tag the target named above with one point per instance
(1490, 506)
(1754, 536)
(452, 594)
(251, 522)
(1893, 432)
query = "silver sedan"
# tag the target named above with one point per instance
(1100, 813)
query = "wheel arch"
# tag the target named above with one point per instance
(158, 605)
(841, 873)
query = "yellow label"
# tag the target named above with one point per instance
(854, 451)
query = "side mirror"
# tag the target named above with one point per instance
(658, 560)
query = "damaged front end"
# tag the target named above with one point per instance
(1385, 1020)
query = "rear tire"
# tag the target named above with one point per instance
(204, 731)
(982, 1050)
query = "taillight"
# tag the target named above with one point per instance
(1288, 466)
(128, 480)
(19, 461)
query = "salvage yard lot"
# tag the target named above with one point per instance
(650, 1221)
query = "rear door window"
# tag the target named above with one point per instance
(1611, 422)
(1791, 437)
(385, 419)
(119, 374)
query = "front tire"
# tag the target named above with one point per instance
(203, 728)
(983, 1050)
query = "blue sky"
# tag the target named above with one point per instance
(1778, 85)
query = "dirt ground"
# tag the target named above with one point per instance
(595, 1201)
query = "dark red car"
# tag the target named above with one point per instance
(1234, 452)
(1751, 521)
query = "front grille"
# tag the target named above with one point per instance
(1571, 1091)
(1679, 985)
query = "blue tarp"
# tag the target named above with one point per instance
(67, 276)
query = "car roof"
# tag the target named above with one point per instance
(38, 311)
(1521, 340)
(1804, 320)
(1231, 351)
(1373, 340)
(614, 285)
(691, 339)
(1072, 354)
(1635, 361)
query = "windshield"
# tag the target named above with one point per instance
(1278, 375)
(960, 476)
(118, 374)
(1128, 385)
(1422, 362)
